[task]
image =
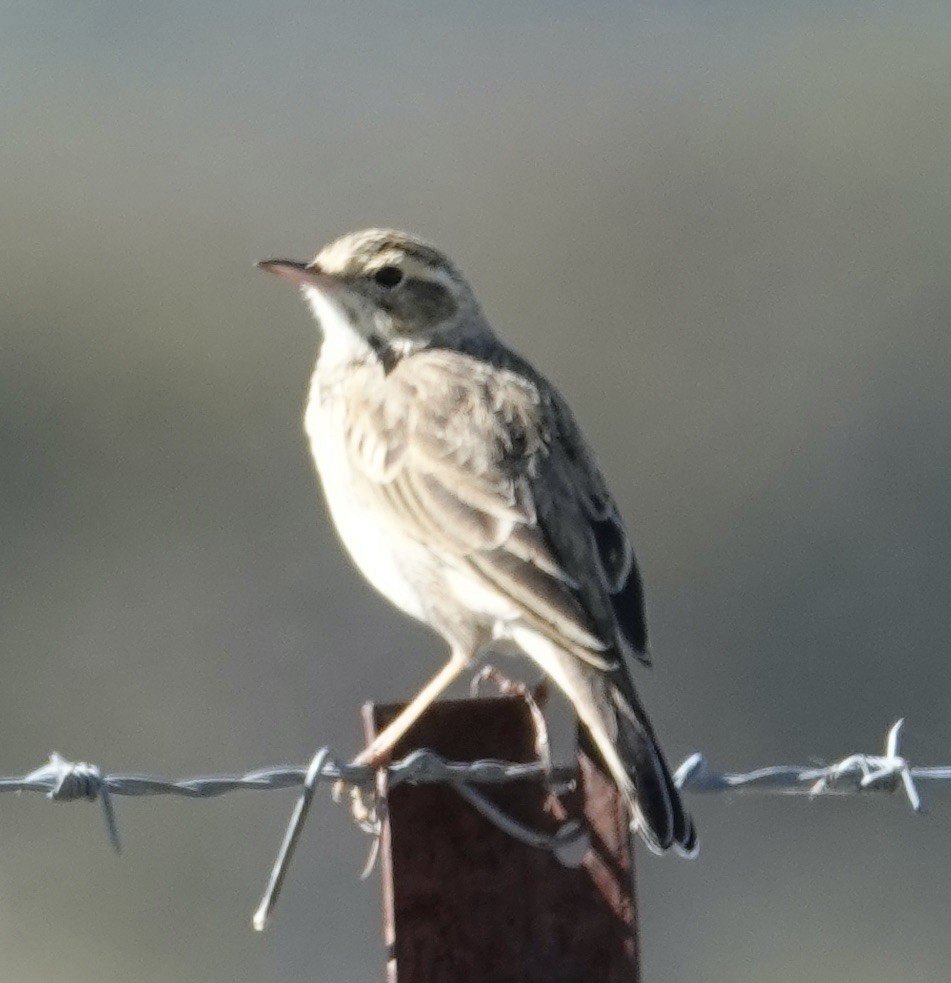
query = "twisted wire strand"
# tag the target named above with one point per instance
(63, 781)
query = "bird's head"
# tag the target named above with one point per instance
(384, 290)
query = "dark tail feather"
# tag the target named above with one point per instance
(660, 816)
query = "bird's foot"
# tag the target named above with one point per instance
(364, 805)
(365, 810)
(536, 696)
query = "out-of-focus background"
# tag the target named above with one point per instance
(725, 231)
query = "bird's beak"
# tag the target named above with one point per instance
(303, 274)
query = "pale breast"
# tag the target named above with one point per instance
(389, 562)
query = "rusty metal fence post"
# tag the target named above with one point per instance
(466, 903)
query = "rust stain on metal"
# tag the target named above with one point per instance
(466, 903)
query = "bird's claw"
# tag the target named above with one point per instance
(364, 812)
(363, 805)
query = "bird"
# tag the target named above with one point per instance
(465, 492)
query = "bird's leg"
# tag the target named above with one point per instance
(377, 752)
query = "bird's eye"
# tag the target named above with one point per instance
(388, 276)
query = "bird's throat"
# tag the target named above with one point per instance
(342, 339)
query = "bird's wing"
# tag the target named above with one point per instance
(486, 466)
(611, 549)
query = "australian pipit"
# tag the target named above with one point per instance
(465, 492)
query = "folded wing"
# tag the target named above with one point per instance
(487, 467)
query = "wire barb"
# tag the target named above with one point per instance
(67, 781)
(289, 844)
(887, 772)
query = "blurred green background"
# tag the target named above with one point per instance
(725, 230)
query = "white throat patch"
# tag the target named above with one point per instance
(342, 340)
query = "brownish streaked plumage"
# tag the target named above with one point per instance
(466, 493)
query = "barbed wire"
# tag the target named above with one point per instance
(886, 772)
(63, 780)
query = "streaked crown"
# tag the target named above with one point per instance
(368, 250)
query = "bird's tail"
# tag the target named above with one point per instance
(622, 739)
(659, 814)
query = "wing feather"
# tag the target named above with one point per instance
(485, 465)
